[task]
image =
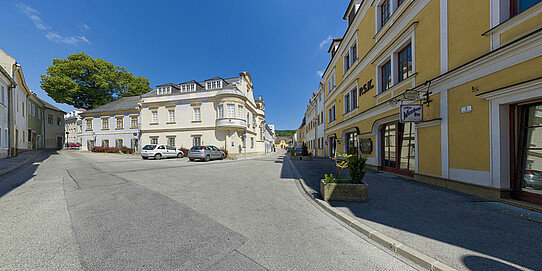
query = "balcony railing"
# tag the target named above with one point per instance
(231, 123)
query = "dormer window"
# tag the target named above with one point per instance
(188, 88)
(214, 84)
(163, 90)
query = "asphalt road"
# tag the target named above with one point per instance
(86, 211)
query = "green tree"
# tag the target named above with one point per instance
(86, 82)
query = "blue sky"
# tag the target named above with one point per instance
(282, 43)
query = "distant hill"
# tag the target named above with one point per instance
(288, 133)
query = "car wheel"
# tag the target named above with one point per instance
(145, 158)
(191, 159)
(157, 156)
(180, 155)
(207, 158)
(222, 157)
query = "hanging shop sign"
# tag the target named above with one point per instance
(411, 113)
(366, 146)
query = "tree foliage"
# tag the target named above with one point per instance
(86, 82)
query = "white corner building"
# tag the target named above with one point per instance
(217, 111)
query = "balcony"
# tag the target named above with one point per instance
(231, 124)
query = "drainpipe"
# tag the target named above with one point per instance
(10, 118)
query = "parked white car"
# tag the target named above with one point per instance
(159, 151)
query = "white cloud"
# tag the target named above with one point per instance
(48, 31)
(53, 36)
(325, 42)
(84, 27)
(320, 73)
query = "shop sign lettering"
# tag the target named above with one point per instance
(411, 113)
(366, 87)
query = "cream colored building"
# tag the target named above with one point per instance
(219, 112)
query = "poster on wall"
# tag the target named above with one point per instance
(411, 113)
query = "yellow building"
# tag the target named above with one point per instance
(476, 68)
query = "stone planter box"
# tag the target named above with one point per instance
(305, 158)
(344, 191)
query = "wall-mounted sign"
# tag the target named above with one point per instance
(466, 109)
(411, 113)
(135, 134)
(366, 146)
(366, 87)
(411, 95)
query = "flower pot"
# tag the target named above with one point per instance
(344, 191)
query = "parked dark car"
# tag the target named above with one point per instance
(205, 153)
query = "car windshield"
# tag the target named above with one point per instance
(197, 148)
(149, 147)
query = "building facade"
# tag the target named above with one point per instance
(220, 112)
(473, 86)
(34, 112)
(6, 86)
(115, 124)
(269, 135)
(73, 125)
(53, 126)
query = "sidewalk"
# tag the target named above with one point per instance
(9, 164)
(462, 231)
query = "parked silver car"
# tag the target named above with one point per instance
(205, 153)
(159, 151)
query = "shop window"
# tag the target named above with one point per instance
(119, 142)
(529, 162)
(398, 148)
(351, 143)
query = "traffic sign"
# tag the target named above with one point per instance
(244, 132)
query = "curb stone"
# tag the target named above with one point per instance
(20, 164)
(395, 246)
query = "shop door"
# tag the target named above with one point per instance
(332, 146)
(398, 148)
(527, 165)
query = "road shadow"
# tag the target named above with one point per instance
(23, 174)
(436, 213)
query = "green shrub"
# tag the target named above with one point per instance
(292, 152)
(357, 168)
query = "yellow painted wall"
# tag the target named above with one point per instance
(466, 22)
(468, 133)
(521, 29)
(429, 151)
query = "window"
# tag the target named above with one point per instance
(399, 2)
(231, 111)
(240, 111)
(59, 121)
(384, 12)
(386, 75)
(248, 118)
(133, 122)
(171, 115)
(197, 114)
(252, 142)
(197, 141)
(105, 123)
(354, 98)
(154, 140)
(262, 131)
(90, 144)
(22, 111)
(2, 95)
(214, 84)
(50, 120)
(405, 63)
(332, 113)
(154, 116)
(88, 123)
(350, 57)
(120, 122)
(188, 88)
(39, 113)
(331, 83)
(347, 103)
(220, 111)
(346, 61)
(119, 143)
(518, 6)
(163, 90)
(105, 143)
(171, 141)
